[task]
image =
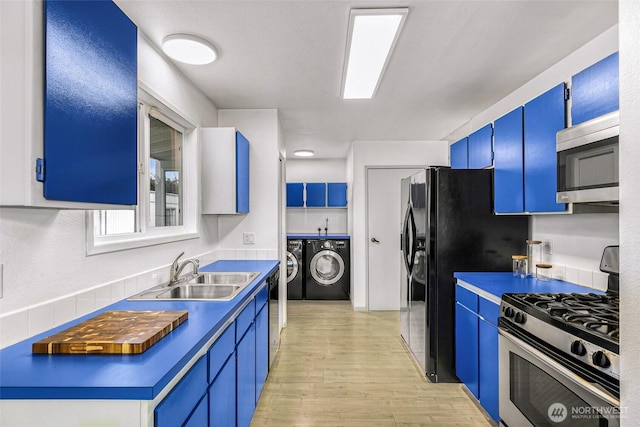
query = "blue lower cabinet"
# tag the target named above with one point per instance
(467, 348)
(176, 408)
(488, 364)
(246, 377)
(222, 396)
(200, 415)
(262, 349)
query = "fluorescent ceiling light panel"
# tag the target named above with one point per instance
(189, 49)
(303, 153)
(371, 39)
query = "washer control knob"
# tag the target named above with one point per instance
(578, 348)
(600, 359)
(509, 312)
(520, 317)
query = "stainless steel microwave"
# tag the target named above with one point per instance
(588, 170)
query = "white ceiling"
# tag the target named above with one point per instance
(453, 59)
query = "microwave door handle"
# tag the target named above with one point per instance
(564, 372)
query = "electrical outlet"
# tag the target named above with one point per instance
(249, 238)
(547, 247)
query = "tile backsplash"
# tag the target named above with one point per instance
(22, 324)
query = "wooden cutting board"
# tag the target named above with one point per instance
(113, 332)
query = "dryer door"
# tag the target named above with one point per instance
(326, 267)
(292, 266)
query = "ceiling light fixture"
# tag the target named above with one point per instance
(304, 153)
(189, 49)
(371, 38)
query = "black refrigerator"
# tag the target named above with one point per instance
(448, 226)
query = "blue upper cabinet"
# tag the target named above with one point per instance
(242, 173)
(459, 154)
(316, 194)
(595, 90)
(480, 148)
(295, 194)
(543, 118)
(337, 194)
(508, 153)
(225, 171)
(90, 104)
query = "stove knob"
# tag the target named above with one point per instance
(509, 312)
(578, 348)
(520, 317)
(600, 359)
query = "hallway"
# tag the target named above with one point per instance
(339, 367)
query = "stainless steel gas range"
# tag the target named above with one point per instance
(559, 356)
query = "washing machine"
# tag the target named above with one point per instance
(295, 268)
(327, 269)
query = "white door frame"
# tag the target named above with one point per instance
(366, 204)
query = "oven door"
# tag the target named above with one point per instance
(536, 390)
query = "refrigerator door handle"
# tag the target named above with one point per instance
(409, 243)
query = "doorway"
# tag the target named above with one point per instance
(383, 235)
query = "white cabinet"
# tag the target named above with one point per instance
(224, 171)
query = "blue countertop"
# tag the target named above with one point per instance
(318, 236)
(24, 375)
(493, 285)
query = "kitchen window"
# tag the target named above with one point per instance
(167, 186)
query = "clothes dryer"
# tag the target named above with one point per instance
(295, 268)
(328, 263)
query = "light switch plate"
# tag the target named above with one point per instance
(249, 238)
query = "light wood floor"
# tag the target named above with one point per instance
(339, 367)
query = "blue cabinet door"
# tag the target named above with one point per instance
(246, 377)
(181, 401)
(543, 118)
(222, 396)
(242, 173)
(316, 194)
(337, 194)
(262, 349)
(480, 148)
(488, 365)
(295, 194)
(200, 415)
(508, 149)
(458, 152)
(90, 103)
(467, 348)
(595, 90)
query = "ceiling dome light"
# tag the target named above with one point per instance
(189, 49)
(303, 153)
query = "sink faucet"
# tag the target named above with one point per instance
(176, 268)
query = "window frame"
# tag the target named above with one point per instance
(152, 105)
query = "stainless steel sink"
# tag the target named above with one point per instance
(211, 286)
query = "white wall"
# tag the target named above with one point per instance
(301, 220)
(578, 240)
(363, 154)
(261, 127)
(629, 12)
(48, 278)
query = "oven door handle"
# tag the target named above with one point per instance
(566, 373)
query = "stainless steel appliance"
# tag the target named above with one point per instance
(295, 268)
(448, 226)
(274, 315)
(328, 269)
(588, 161)
(559, 356)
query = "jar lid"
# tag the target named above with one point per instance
(544, 265)
(533, 242)
(518, 256)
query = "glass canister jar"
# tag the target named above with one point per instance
(519, 266)
(534, 256)
(543, 271)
